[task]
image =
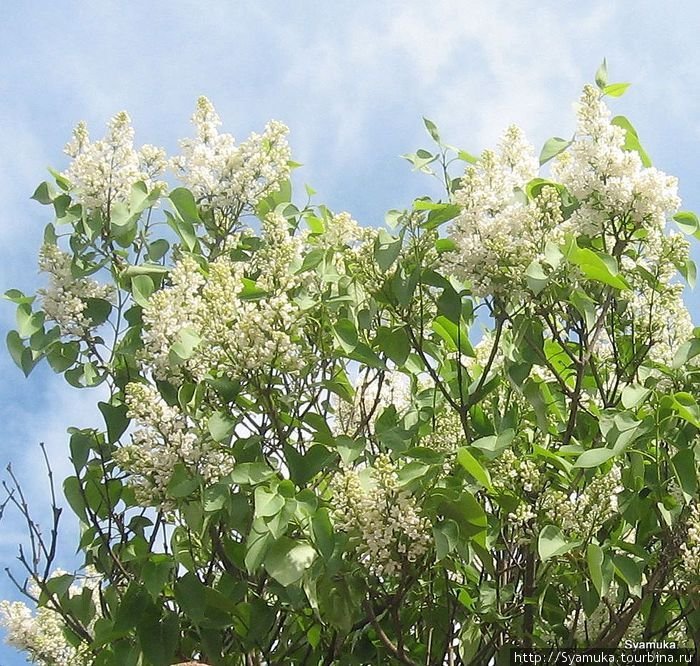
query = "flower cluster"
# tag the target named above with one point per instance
(496, 233)
(447, 434)
(230, 334)
(607, 179)
(164, 440)
(41, 635)
(690, 550)
(103, 172)
(521, 477)
(516, 474)
(227, 176)
(383, 519)
(64, 301)
(504, 226)
(581, 514)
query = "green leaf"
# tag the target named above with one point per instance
(116, 420)
(364, 354)
(251, 473)
(28, 322)
(16, 347)
(473, 467)
(63, 356)
(552, 542)
(615, 89)
(443, 245)
(141, 289)
(140, 198)
(686, 351)
(44, 194)
(594, 558)
(495, 443)
(438, 214)
(601, 75)
(184, 229)
(634, 394)
(185, 205)
(158, 637)
(97, 310)
(386, 250)
(181, 483)
(689, 271)
(73, 493)
(303, 467)
(685, 468)
(267, 503)
(632, 143)
(346, 335)
(420, 160)
(687, 222)
(220, 425)
(80, 444)
(552, 148)
(469, 641)
(216, 497)
(287, 560)
(394, 343)
(597, 266)
(685, 406)
(455, 336)
(158, 249)
(16, 296)
(187, 341)
(536, 277)
(630, 572)
(156, 573)
(154, 270)
(593, 458)
(432, 130)
(323, 535)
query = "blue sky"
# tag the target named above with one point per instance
(351, 79)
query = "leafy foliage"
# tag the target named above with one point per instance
(310, 456)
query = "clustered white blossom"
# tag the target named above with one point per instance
(447, 434)
(103, 172)
(233, 334)
(520, 476)
(581, 514)
(690, 550)
(516, 474)
(163, 440)
(41, 634)
(341, 230)
(224, 175)
(609, 180)
(500, 230)
(497, 232)
(658, 312)
(64, 301)
(384, 520)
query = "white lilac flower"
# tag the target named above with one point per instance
(103, 172)
(234, 335)
(224, 175)
(41, 634)
(383, 520)
(498, 232)
(163, 439)
(65, 299)
(582, 514)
